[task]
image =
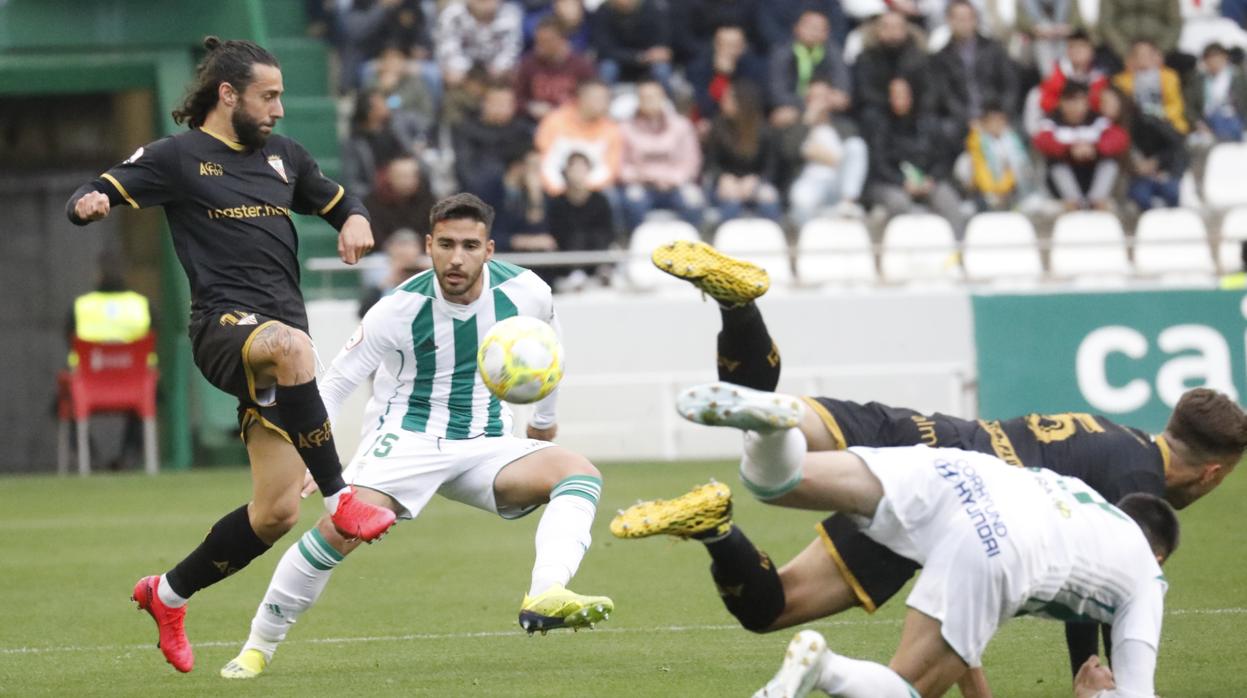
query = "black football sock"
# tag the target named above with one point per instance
(747, 580)
(305, 420)
(747, 355)
(230, 546)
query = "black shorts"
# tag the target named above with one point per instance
(872, 571)
(879, 425)
(220, 342)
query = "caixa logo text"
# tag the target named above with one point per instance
(1191, 355)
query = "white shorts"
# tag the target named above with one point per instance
(966, 581)
(411, 467)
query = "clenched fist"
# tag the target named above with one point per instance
(92, 206)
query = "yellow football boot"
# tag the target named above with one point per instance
(705, 509)
(560, 607)
(728, 280)
(248, 665)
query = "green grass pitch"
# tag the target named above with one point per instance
(431, 610)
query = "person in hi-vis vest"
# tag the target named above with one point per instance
(112, 313)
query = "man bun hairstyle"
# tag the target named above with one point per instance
(461, 206)
(229, 61)
(1157, 520)
(1210, 425)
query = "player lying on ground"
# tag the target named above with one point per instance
(228, 186)
(435, 428)
(995, 542)
(1203, 441)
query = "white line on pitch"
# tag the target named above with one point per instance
(515, 633)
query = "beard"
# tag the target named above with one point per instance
(247, 129)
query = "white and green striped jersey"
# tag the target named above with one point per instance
(423, 350)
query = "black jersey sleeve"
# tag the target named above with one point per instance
(147, 178)
(316, 194)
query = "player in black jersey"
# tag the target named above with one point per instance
(1204, 440)
(229, 187)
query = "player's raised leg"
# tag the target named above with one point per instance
(572, 486)
(231, 544)
(297, 583)
(282, 356)
(746, 354)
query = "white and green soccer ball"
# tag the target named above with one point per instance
(520, 360)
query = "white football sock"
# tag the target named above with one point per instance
(297, 582)
(563, 534)
(856, 678)
(167, 595)
(771, 465)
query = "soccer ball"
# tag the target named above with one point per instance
(520, 360)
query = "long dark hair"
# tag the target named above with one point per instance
(227, 61)
(750, 119)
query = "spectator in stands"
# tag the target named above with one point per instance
(740, 155)
(487, 144)
(364, 27)
(1001, 171)
(583, 126)
(811, 54)
(728, 60)
(892, 51)
(970, 71)
(1155, 88)
(579, 219)
(661, 159)
(375, 140)
(570, 17)
(413, 105)
(1078, 65)
(698, 21)
(1048, 25)
(910, 163)
(1082, 150)
(549, 73)
(1123, 22)
(774, 20)
(633, 40)
(488, 33)
(520, 222)
(401, 198)
(835, 165)
(404, 256)
(461, 102)
(1216, 99)
(1158, 155)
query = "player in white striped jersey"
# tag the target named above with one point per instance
(433, 427)
(995, 542)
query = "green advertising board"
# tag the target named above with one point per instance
(1126, 355)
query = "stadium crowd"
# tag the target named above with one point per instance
(576, 119)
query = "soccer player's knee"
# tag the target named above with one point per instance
(293, 356)
(276, 519)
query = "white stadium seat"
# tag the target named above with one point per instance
(1001, 247)
(1199, 32)
(1172, 242)
(642, 274)
(760, 241)
(835, 250)
(1233, 235)
(1090, 245)
(1225, 175)
(1090, 11)
(919, 247)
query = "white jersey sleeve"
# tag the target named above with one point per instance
(1136, 639)
(358, 358)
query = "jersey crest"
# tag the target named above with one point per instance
(274, 161)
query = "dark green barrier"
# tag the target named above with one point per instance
(1126, 355)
